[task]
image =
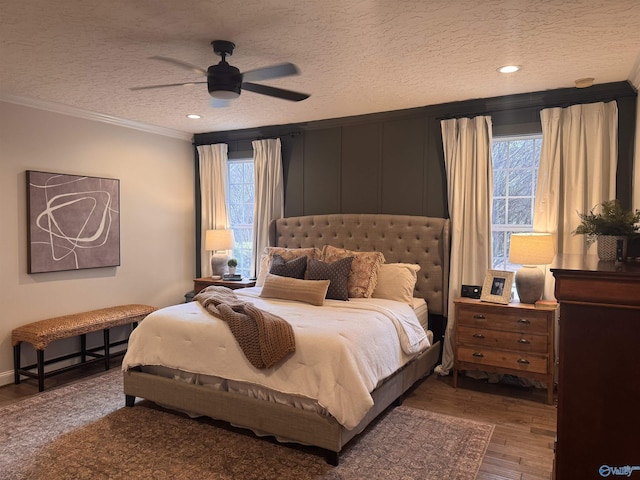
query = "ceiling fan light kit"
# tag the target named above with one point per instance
(225, 82)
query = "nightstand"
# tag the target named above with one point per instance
(514, 339)
(200, 283)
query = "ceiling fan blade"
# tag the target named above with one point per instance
(274, 92)
(149, 87)
(274, 71)
(180, 63)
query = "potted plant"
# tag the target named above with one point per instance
(608, 222)
(232, 263)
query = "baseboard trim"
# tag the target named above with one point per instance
(6, 378)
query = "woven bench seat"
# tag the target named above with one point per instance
(41, 333)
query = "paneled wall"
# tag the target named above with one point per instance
(383, 163)
(393, 162)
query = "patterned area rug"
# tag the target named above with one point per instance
(83, 431)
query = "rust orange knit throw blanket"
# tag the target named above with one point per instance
(264, 338)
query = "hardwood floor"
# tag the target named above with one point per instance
(13, 393)
(521, 447)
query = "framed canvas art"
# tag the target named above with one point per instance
(73, 222)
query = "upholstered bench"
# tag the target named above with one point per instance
(40, 334)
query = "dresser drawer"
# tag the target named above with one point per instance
(513, 320)
(521, 342)
(525, 362)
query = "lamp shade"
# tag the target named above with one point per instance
(532, 248)
(218, 240)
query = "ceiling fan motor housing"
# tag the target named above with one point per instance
(224, 81)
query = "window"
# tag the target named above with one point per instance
(515, 175)
(241, 199)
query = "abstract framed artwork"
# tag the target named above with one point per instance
(73, 222)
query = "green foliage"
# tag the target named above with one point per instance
(232, 262)
(611, 220)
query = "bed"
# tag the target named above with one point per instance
(400, 239)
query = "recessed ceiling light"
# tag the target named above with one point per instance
(509, 68)
(193, 116)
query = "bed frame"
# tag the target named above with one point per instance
(401, 238)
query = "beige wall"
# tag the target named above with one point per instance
(634, 79)
(157, 218)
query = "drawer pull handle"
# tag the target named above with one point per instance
(479, 316)
(524, 341)
(480, 355)
(478, 335)
(524, 321)
(523, 361)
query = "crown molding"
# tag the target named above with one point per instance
(89, 115)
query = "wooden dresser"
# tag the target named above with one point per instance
(599, 368)
(514, 339)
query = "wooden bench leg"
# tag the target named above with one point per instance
(40, 355)
(107, 359)
(16, 363)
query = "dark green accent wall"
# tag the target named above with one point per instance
(393, 162)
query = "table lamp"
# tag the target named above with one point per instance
(218, 241)
(529, 250)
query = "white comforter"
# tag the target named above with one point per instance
(343, 349)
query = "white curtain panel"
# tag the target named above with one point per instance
(269, 194)
(578, 162)
(467, 156)
(213, 194)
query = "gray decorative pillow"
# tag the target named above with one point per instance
(293, 268)
(338, 272)
(287, 254)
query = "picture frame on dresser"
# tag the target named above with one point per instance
(497, 287)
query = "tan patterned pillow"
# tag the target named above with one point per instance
(286, 254)
(287, 288)
(364, 269)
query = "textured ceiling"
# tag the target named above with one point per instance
(355, 56)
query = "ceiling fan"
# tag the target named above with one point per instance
(225, 82)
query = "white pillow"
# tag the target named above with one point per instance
(396, 281)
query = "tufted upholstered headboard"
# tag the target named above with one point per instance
(401, 238)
